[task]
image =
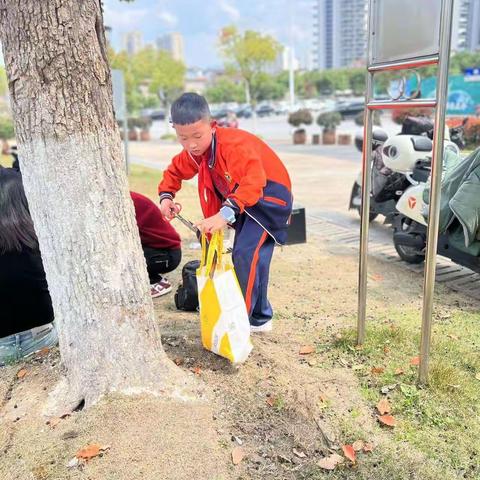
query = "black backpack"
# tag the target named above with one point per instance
(186, 296)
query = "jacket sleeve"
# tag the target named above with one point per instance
(182, 167)
(245, 165)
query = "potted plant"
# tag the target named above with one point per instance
(300, 117)
(329, 121)
(6, 132)
(144, 124)
(132, 124)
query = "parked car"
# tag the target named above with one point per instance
(244, 111)
(157, 115)
(349, 109)
(265, 110)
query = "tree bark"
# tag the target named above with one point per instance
(73, 171)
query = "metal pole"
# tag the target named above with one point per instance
(365, 216)
(435, 191)
(366, 187)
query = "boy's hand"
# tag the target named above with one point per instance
(212, 224)
(169, 208)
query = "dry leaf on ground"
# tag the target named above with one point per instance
(415, 361)
(91, 451)
(329, 463)
(377, 370)
(358, 445)
(349, 452)
(21, 373)
(387, 420)
(270, 401)
(306, 350)
(399, 371)
(238, 454)
(383, 406)
(368, 447)
(299, 454)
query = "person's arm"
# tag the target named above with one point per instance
(182, 167)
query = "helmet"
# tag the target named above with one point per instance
(379, 136)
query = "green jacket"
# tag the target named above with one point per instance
(460, 201)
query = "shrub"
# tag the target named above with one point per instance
(329, 121)
(302, 116)
(376, 118)
(398, 116)
(6, 128)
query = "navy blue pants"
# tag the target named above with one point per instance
(252, 254)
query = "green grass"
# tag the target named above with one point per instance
(441, 421)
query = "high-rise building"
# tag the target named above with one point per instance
(340, 32)
(132, 42)
(173, 44)
(466, 25)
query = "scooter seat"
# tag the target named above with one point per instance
(422, 144)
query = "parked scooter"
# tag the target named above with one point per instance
(389, 185)
(410, 224)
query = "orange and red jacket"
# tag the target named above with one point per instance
(246, 174)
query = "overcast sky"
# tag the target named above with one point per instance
(199, 21)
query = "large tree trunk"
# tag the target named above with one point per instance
(73, 170)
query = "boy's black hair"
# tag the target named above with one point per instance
(189, 108)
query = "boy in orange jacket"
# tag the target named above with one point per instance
(241, 183)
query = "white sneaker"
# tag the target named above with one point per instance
(160, 288)
(266, 327)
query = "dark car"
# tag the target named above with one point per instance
(350, 109)
(265, 110)
(244, 112)
(157, 115)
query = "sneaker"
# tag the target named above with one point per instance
(265, 327)
(160, 288)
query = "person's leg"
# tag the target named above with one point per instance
(252, 253)
(160, 261)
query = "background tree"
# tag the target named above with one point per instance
(248, 54)
(61, 94)
(3, 82)
(225, 90)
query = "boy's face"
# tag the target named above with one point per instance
(195, 137)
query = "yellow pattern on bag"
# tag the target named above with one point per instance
(225, 328)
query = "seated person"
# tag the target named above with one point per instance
(160, 242)
(26, 312)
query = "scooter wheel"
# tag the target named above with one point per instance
(408, 254)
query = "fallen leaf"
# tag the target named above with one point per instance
(306, 350)
(358, 445)
(21, 373)
(453, 337)
(387, 420)
(415, 361)
(179, 361)
(91, 451)
(386, 349)
(323, 399)
(349, 452)
(270, 401)
(43, 352)
(196, 370)
(399, 371)
(377, 277)
(377, 370)
(299, 454)
(383, 406)
(368, 447)
(238, 454)
(329, 463)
